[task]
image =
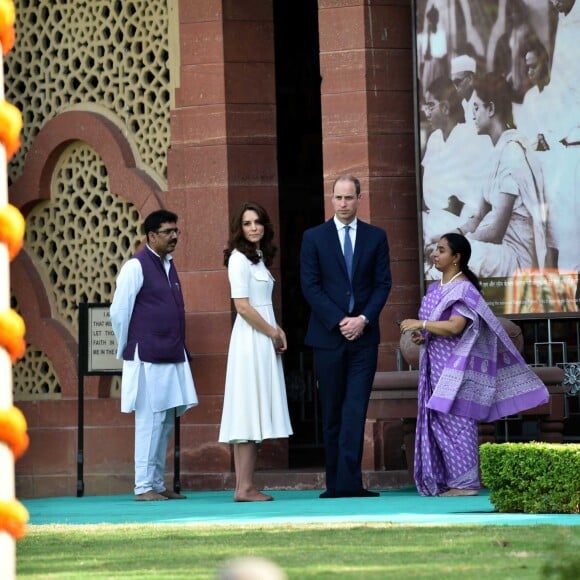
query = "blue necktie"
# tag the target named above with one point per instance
(348, 261)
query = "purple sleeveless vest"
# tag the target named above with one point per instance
(158, 319)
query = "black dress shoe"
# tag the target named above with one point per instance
(358, 493)
(327, 494)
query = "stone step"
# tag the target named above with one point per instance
(296, 480)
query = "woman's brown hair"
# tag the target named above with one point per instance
(237, 240)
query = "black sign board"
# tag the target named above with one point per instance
(97, 342)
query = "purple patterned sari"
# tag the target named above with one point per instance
(478, 375)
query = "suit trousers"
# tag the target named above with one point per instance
(153, 431)
(345, 378)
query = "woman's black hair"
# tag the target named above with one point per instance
(237, 240)
(459, 244)
(494, 88)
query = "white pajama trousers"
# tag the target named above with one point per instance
(153, 432)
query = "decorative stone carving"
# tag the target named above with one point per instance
(571, 377)
(82, 213)
(111, 55)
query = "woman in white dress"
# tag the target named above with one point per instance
(255, 405)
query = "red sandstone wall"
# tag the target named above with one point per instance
(224, 151)
(367, 110)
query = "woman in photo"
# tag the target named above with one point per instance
(508, 231)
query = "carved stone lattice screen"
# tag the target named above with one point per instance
(108, 55)
(79, 240)
(34, 375)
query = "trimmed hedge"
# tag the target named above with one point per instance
(532, 477)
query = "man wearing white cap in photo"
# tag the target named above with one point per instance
(462, 73)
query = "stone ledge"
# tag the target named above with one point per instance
(115, 484)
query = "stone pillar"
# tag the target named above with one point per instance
(223, 151)
(367, 120)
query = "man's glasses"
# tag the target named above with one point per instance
(169, 231)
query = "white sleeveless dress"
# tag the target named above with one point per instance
(255, 405)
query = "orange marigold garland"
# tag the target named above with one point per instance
(13, 515)
(13, 431)
(13, 518)
(7, 19)
(12, 226)
(10, 116)
(10, 127)
(12, 331)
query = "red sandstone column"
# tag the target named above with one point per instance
(367, 121)
(223, 151)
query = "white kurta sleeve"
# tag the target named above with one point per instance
(128, 285)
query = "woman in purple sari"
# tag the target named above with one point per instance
(469, 371)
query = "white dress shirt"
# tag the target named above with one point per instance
(341, 228)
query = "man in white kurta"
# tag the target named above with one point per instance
(160, 390)
(455, 164)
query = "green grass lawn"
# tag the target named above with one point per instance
(303, 551)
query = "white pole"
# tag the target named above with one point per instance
(7, 487)
(7, 543)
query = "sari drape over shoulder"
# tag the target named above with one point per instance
(485, 377)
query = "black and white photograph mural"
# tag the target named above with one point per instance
(498, 109)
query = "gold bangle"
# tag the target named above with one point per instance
(424, 325)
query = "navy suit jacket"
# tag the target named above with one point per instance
(326, 286)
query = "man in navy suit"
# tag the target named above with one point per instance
(346, 279)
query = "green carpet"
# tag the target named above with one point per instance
(403, 506)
